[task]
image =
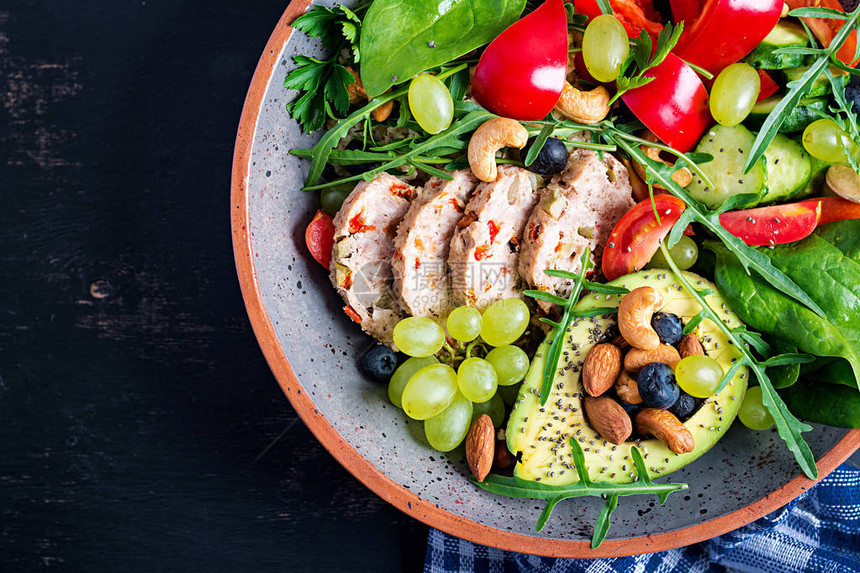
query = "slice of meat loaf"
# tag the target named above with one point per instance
(421, 279)
(576, 211)
(364, 231)
(483, 254)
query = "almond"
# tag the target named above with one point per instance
(608, 419)
(480, 446)
(627, 388)
(663, 425)
(636, 359)
(690, 346)
(601, 368)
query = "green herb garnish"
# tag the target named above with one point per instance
(520, 488)
(322, 84)
(640, 61)
(560, 328)
(797, 89)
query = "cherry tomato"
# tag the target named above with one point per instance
(319, 237)
(835, 209)
(726, 31)
(674, 106)
(634, 15)
(825, 29)
(775, 225)
(768, 86)
(637, 235)
(522, 72)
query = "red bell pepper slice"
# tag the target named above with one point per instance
(775, 225)
(674, 106)
(726, 31)
(637, 235)
(522, 72)
(319, 237)
(825, 29)
(686, 11)
(768, 86)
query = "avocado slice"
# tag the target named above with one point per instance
(541, 433)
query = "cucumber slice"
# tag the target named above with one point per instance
(788, 169)
(785, 34)
(821, 85)
(730, 147)
(801, 116)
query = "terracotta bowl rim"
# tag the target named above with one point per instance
(367, 473)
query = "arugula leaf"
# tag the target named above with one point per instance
(519, 488)
(640, 60)
(800, 87)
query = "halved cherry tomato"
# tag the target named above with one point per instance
(522, 72)
(634, 15)
(825, 29)
(768, 86)
(726, 31)
(835, 209)
(775, 225)
(674, 106)
(319, 237)
(637, 235)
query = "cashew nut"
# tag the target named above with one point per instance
(666, 427)
(634, 317)
(682, 176)
(581, 106)
(627, 388)
(490, 137)
(637, 359)
(844, 181)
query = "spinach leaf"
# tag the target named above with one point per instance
(824, 403)
(844, 235)
(785, 375)
(400, 38)
(821, 270)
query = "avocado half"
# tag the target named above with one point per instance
(542, 433)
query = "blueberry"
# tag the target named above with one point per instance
(684, 407)
(551, 159)
(378, 363)
(852, 94)
(631, 409)
(657, 386)
(669, 327)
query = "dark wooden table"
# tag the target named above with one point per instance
(140, 427)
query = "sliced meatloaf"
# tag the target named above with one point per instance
(576, 211)
(483, 253)
(421, 279)
(364, 231)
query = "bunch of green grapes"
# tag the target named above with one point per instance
(448, 399)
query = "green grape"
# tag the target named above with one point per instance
(464, 323)
(734, 94)
(402, 375)
(429, 391)
(605, 47)
(494, 408)
(332, 198)
(418, 336)
(510, 362)
(752, 413)
(825, 140)
(684, 253)
(698, 375)
(509, 394)
(447, 429)
(477, 379)
(504, 322)
(430, 103)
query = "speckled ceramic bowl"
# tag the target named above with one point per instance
(312, 348)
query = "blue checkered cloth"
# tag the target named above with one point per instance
(817, 532)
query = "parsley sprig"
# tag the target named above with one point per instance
(640, 61)
(799, 88)
(552, 494)
(322, 84)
